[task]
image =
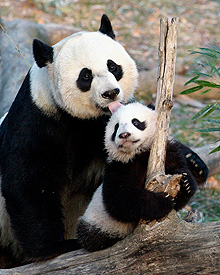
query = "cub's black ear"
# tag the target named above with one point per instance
(43, 54)
(106, 26)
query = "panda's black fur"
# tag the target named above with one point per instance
(32, 191)
(52, 156)
(122, 200)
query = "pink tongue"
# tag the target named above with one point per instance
(113, 106)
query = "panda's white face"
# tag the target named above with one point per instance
(130, 131)
(89, 71)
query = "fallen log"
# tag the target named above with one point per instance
(170, 246)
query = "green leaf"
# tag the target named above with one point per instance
(215, 150)
(205, 83)
(211, 110)
(191, 90)
(209, 130)
(191, 80)
(213, 120)
(205, 109)
(206, 91)
(203, 74)
(206, 54)
(216, 48)
(214, 51)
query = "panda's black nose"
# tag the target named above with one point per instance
(124, 135)
(111, 94)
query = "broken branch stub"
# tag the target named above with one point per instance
(156, 178)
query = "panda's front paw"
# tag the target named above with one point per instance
(187, 185)
(188, 188)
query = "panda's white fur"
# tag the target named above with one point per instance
(125, 149)
(96, 218)
(96, 215)
(54, 84)
(2, 118)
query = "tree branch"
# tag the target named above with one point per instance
(156, 178)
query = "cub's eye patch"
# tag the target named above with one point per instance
(84, 80)
(115, 69)
(140, 125)
(115, 131)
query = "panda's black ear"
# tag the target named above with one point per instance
(43, 54)
(106, 26)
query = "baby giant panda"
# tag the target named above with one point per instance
(122, 200)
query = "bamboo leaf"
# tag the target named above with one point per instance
(191, 80)
(206, 54)
(191, 90)
(216, 48)
(213, 120)
(205, 109)
(211, 110)
(206, 91)
(209, 130)
(214, 51)
(215, 150)
(205, 83)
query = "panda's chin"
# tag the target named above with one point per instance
(104, 110)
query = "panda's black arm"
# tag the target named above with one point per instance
(125, 197)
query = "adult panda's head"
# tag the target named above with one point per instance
(82, 73)
(130, 131)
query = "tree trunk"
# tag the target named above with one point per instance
(167, 247)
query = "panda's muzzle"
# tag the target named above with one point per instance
(111, 94)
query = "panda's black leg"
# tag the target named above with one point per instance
(36, 220)
(196, 164)
(188, 188)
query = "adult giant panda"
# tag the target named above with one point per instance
(122, 200)
(51, 141)
(52, 154)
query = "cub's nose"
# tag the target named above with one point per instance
(111, 94)
(124, 135)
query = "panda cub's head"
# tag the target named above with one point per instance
(83, 73)
(130, 131)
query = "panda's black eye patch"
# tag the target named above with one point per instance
(115, 69)
(140, 125)
(115, 131)
(84, 80)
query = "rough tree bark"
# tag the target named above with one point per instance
(156, 178)
(169, 246)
